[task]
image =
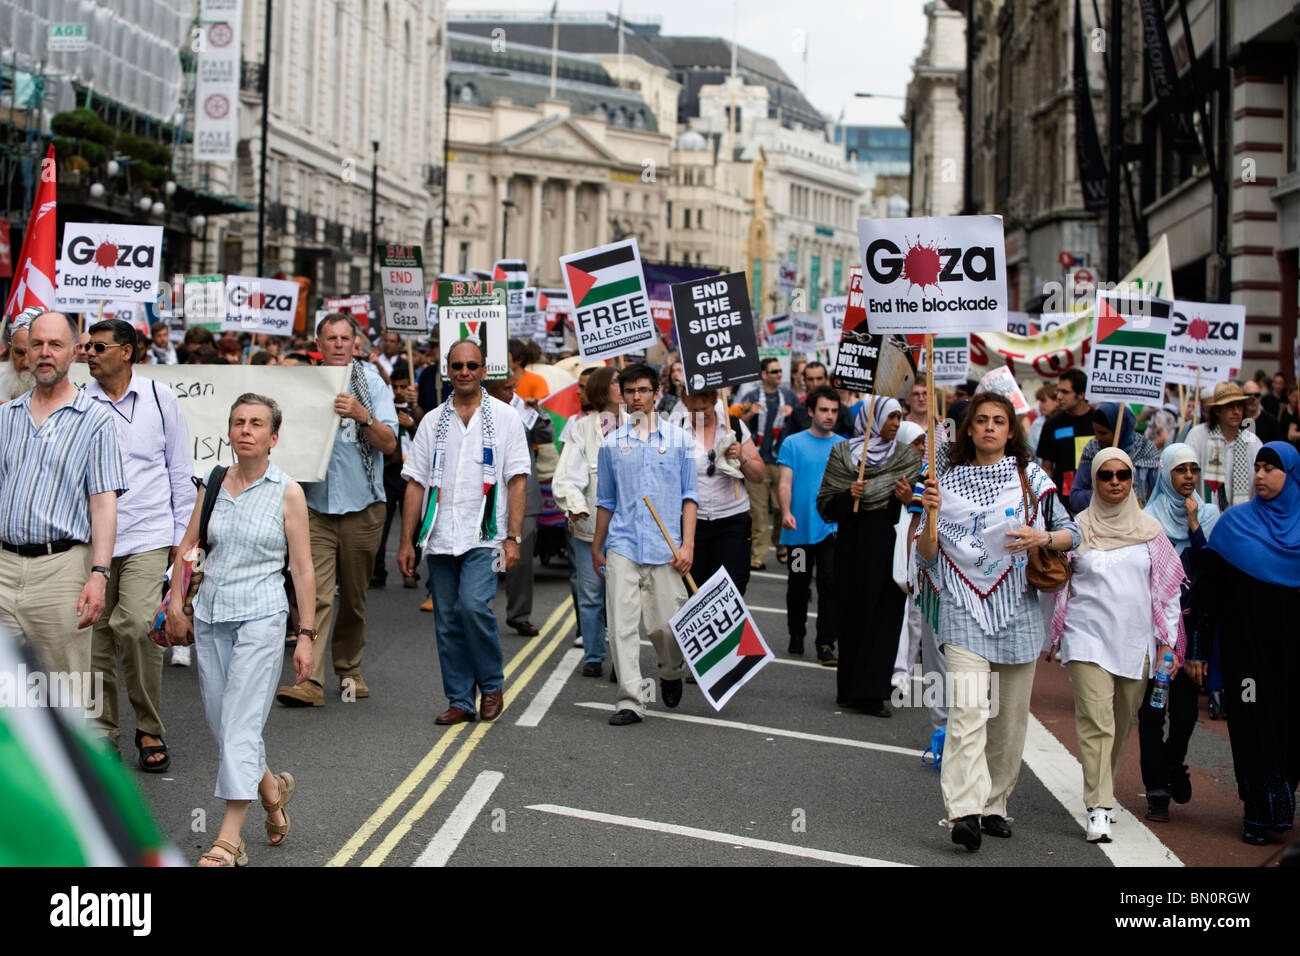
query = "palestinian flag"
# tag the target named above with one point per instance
(718, 639)
(514, 273)
(608, 272)
(469, 330)
(1117, 330)
(729, 664)
(917, 342)
(778, 329)
(561, 406)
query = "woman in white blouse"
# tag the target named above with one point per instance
(724, 457)
(1114, 622)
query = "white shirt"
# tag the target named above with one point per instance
(1108, 618)
(1246, 443)
(456, 523)
(721, 496)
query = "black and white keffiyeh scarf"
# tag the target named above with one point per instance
(361, 389)
(487, 514)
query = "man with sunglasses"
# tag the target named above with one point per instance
(154, 440)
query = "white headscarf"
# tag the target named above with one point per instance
(878, 450)
(908, 432)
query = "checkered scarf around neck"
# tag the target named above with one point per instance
(1229, 489)
(361, 389)
(989, 589)
(487, 511)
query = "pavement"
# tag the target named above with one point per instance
(780, 777)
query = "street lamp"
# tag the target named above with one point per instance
(374, 199)
(506, 206)
(911, 140)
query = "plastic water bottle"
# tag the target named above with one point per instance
(1160, 693)
(1020, 559)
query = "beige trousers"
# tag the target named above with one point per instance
(131, 600)
(343, 551)
(983, 744)
(636, 594)
(38, 603)
(764, 499)
(1104, 708)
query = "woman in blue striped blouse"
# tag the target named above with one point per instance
(259, 519)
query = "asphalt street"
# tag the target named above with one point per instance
(780, 777)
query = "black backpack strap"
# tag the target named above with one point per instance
(161, 417)
(735, 428)
(210, 492)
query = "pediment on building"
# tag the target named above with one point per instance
(560, 138)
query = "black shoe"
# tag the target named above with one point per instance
(624, 717)
(995, 826)
(795, 649)
(1216, 705)
(690, 678)
(593, 669)
(378, 581)
(826, 656)
(613, 677)
(671, 692)
(877, 708)
(410, 582)
(1254, 835)
(1181, 788)
(966, 832)
(1158, 806)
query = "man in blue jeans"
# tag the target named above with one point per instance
(471, 455)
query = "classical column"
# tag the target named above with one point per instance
(602, 215)
(494, 219)
(570, 215)
(535, 228)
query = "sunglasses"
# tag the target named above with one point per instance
(472, 366)
(713, 467)
(99, 347)
(1124, 474)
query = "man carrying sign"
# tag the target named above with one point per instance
(346, 513)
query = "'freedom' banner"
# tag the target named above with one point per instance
(611, 311)
(474, 310)
(719, 639)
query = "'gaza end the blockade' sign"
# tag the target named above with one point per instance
(401, 275)
(1127, 361)
(719, 639)
(859, 352)
(934, 275)
(611, 311)
(261, 306)
(715, 332)
(474, 310)
(109, 260)
(1208, 334)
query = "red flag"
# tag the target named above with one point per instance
(34, 276)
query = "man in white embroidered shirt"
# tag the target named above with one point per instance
(471, 455)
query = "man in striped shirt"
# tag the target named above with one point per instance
(60, 476)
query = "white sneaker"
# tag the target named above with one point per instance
(1099, 820)
(577, 641)
(180, 656)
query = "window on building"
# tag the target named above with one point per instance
(668, 206)
(469, 182)
(462, 259)
(699, 219)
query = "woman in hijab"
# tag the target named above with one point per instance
(984, 611)
(1246, 601)
(1114, 623)
(1187, 523)
(869, 622)
(1144, 455)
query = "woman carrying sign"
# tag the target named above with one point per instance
(976, 594)
(864, 552)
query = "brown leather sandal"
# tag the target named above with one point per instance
(280, 830)
(237, 855)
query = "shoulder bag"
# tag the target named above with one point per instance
(1047, 570)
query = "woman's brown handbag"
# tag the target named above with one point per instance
(1047, 570)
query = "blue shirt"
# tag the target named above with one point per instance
(805, 454)
(345, 488)
(661, 466)
(242, 574)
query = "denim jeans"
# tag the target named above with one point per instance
(469, 645)
(590, 599)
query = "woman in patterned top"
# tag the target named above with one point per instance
(976, 595)
(260, 517)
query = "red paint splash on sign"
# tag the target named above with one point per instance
(921, 265)
(1198, 329)
(106, 255)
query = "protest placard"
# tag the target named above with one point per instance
(559, 311)
(778, 331)
(305, 394)
(781, 355)
(474, 310)
(661, 310)
(719, 639)
(514, 273)
(359, 306)
(611, 309)
(859, 351)
(833, 309)
(1208, 334)
(787, 274)
(109, 260)
(205, 302)
(401, 276)
(951, 357)
(715, 332)
(934, 275)
(1201, 376)
(805, 333)
(1127, 362)
(1000, 381)
(260, 306)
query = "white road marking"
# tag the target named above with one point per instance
(1062, 774)
(546, 695)
(714, 836)
(768, 574)
(449, 835)
(793, 662)
(769, 731)
(777, 610)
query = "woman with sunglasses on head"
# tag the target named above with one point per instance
(976, 594)
(725, 457)
(1246, 601)
(1114, 622)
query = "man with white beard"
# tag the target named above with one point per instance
(16, 377)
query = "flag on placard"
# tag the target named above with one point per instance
(33, 283)
(719, 639)
(1114, 329)
(607, 275)
(561, 406)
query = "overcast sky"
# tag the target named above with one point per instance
(867, 45)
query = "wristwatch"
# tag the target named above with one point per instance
(516, 539)
(309, 632)
(370, 422)
(101, 569)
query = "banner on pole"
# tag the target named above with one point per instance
(261, 306)
(806, 333)
(778, 331)
(474, 310)
(611, 309)
(787, 275)
(719, 639)
(951, 357)
(1127, 362)
(216, 85)
(715, 332)
(401, 276)
(859, 350)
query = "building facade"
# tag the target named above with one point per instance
(936, 114)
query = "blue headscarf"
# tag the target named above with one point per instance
(1106, 413)
(1262, 538)
(1166, 504)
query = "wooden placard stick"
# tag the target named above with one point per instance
(1182, 404)
(866, 443)
(933, 517)
(689, 580)
(1119, 424)
(1196, 399)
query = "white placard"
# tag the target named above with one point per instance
(216, 84)
(1209, 334)
(1127, 361)
(260, 306)
(401, 276)
(110, 260)
(611, 311)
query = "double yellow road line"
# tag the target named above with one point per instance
(560, 623)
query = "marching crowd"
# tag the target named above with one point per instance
(1114, 539)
